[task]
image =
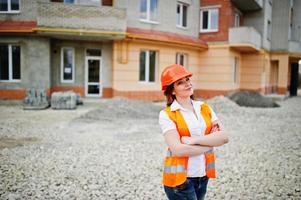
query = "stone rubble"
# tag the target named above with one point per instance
(114, 149)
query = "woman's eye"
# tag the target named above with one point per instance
(187, 79)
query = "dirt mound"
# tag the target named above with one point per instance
(222, 104)
(123, 108)
(252, 99)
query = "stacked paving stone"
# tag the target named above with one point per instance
(63, 100)
(36, 99)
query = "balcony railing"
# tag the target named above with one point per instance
(74, 16)
(245, 36)
(248, 5)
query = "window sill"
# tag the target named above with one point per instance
(67, 81)
(148, 21)
(209, 31)
(182, 27)
(9, 12)
(146, 82)
(10, 81)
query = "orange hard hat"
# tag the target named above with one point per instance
(173, 73)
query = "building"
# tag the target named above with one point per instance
(105, 48)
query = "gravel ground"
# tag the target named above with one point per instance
(113, 149)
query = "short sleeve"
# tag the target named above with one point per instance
(165, 122)
(213, 115)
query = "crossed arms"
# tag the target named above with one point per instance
(192, 146)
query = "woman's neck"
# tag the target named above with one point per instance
(185, 102)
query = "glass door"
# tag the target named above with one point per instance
(93, 77)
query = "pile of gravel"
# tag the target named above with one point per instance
(123, 108)
(252, 99)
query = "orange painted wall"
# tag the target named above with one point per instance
(216, 69)
(251, 71)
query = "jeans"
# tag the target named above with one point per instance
(191, 189)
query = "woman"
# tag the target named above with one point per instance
(191, 130)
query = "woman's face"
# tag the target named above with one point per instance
(183, 88)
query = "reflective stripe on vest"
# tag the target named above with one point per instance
(175, 168)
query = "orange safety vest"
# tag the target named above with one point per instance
(175, 167)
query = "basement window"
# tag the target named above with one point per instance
(67, 65)
(9, 6)
(10, 65)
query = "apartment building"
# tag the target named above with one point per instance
(105, 48)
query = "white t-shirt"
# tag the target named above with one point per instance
(196, 127)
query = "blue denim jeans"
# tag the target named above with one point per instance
(191, 189)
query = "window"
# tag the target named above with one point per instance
(209, 20)
(181, 59)
(9, 6)
(236, 20)
(10, 65)
(148, 10)
(182, 15)
(235, 69)
(67, 65)
(269, 30)
(147, 68)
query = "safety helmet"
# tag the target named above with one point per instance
(173, 73)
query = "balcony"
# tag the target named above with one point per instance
(59, 19)
(294, 46)
(244, 39)
(248, 5)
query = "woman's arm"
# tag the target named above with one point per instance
(177, 148)
(217, 138)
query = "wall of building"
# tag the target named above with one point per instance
(35, 65)
(80, 64)
(166, 15)
(126, 73)
(280, 25)
(225, 20)
(215, 75)
(267, 22)
(253, 73)
(296, 29)
(28, 12)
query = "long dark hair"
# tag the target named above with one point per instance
(171, 97)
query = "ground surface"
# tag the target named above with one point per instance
(113, 149)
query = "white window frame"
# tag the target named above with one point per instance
(185, 58)
(209, 10)
(181, 15)
(10, 66)
(147, 61)
(9, 10)
(236, 19)
(235, 70)
(62, 65)
(148, 13)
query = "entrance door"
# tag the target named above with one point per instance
(93, 77)
(294, 79)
